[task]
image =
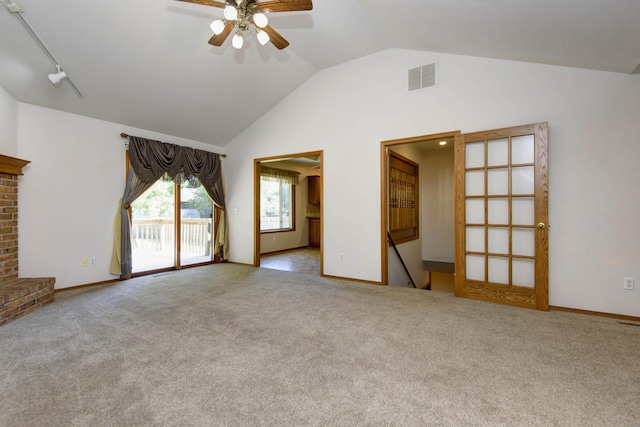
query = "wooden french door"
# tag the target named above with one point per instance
(501, 216)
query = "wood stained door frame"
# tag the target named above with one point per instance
(384, 192)
(256, 202)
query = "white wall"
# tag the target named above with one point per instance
(8, 124)
(437, 202)
(348, 109)
(69, 192)
(272, 242)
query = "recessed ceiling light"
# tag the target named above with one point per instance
(443, 143)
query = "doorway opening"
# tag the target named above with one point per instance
(429, 255)
(288, 206)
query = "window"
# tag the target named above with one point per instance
(277, 199)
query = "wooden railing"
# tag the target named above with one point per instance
(158, 235)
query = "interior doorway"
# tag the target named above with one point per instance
(429, 255)
(288, 212)
(501, 214)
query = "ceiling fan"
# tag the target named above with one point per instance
(244, 14)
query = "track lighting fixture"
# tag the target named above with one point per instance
(56, 78)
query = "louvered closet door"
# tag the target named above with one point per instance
(501, 216)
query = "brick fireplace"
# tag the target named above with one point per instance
(18, 296)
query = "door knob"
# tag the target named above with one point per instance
(542, 225)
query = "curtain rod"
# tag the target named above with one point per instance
(124, 135)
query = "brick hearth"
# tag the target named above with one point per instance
(22, 296)
(17, 296)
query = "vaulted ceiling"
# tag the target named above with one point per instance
(147, 64)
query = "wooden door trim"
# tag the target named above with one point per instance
(384, 196)
(541, 208)
(256, 202)
(459, 209)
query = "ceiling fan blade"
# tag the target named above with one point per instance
(275, 38)
(218, 39)
(284, 5)
(212, 3)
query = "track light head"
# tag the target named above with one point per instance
(56, 78)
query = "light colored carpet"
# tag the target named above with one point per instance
(235, 345)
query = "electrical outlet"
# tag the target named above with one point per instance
(628, 283)
(84, 262)
(341, 257)
(92, 261)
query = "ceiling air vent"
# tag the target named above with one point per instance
(422, 77)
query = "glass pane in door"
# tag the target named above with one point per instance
(524, 272)
(196, 224)
(523, 211)
(475, 239)
(152, 228)
(475, 267)
(498, 152)
(499, 270)
(522, 149)
(498, 182)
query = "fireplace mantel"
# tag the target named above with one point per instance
(12, 165)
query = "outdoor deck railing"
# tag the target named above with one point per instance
(158, 235)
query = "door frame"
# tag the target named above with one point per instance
(256, 202)
(384, 193)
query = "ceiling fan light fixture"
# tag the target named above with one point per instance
(263, 37)
(260, 19)
(217, 26)
(231, 13)
(237, 41)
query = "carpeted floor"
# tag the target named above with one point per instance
(236, 345)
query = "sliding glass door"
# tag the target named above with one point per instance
(172, 226)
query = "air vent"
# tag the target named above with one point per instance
(422, 77)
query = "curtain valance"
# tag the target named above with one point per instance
(152, 159)
(273, 174)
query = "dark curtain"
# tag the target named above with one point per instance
(134, 189)
(149, 161)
